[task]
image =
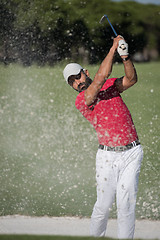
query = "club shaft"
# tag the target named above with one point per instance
(111, 26)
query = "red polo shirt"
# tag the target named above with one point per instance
(109, 116)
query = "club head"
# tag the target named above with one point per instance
(102, 19)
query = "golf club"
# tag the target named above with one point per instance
(102, 19)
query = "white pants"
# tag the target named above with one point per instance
(116, 174)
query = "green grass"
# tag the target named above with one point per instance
(34, 237)
(47, 150)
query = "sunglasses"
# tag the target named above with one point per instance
(72, 78)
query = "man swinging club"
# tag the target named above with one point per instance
(119, 155)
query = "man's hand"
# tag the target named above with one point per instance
(116, 42)
(122, 48)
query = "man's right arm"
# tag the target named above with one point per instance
(101, 76)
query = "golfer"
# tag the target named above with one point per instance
(119, 155)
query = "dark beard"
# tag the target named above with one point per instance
(83, 86)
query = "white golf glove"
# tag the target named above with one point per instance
(122, 48)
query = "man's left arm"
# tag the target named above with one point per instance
(130, 77)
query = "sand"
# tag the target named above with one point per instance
(70, 226)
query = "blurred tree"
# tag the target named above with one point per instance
(49, 31)
(6, 31)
